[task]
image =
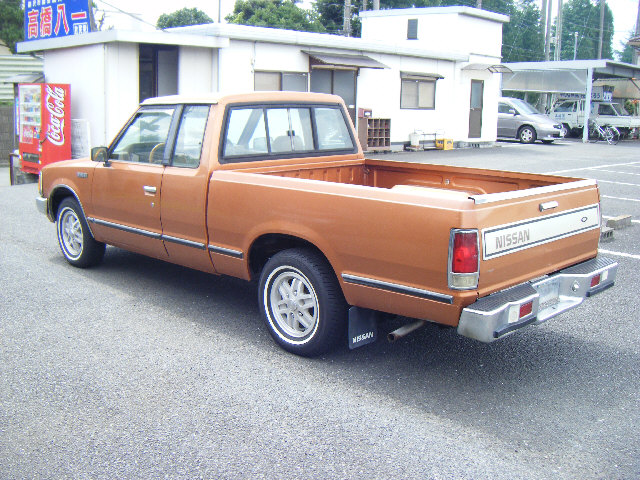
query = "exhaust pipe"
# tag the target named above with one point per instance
(405, 330)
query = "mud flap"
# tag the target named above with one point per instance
(363, 327)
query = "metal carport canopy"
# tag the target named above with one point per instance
(568, 76)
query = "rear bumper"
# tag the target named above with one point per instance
(501, 313)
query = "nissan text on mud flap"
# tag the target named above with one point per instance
(273, 186)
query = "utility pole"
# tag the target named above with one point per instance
(479, 4)
(635, 51)
(346, 27)
(376, 4)
(547, 41)
(600, 37)
(575, 44)
(543, 24)
(364, 6)
(559, 32)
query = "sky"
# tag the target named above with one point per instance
(624, 12)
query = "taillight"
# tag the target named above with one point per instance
(463, 259)
(595, 281)
(465, 252)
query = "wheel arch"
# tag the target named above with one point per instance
(57, 195)
(267, 245)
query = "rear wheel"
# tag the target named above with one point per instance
(302, 302)
(527, 134)
(76, 243)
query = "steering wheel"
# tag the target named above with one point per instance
(153, 152)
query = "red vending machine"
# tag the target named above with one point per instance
(44, 124)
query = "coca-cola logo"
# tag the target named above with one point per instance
(54, 100)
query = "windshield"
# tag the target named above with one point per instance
(621, 111)
(523, 107)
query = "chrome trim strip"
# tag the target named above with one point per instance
(125, 228)
(183, 242)
(226, 251)
(499, 197)
(397, 288)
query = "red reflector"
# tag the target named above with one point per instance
(465, 252)
(595, 280)
(526, 309)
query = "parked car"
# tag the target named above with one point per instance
(273, 187)
(520, 120)
(571, 114)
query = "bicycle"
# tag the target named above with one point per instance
(608, 133)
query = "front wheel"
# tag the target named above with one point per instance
(527, 134)
(302, 302)
(76, 243)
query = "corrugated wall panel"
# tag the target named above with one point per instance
(11, 65)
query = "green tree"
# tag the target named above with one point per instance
(583, 16)
(625, 54)
(11, 23)
(276, 14)
(183, 18)
(522, 37)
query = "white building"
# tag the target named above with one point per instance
(429, 69)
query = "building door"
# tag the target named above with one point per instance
(475, 110)
(337, 82)
(158, 71)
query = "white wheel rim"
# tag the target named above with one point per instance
(70, 230)
(291, 303)
(526, 135)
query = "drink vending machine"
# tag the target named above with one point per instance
(44, 124)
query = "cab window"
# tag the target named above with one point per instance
(271, 131)
(566, 107)
(145, 137)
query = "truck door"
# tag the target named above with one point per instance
(184, 190)
(126, 190)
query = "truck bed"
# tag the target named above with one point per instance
(389, 174)
(354, 210)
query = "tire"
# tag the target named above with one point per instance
(527, 134)
(567, 132)
(76, 243)
(302, 303)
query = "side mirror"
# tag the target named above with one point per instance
(513, 112)
(100, 154)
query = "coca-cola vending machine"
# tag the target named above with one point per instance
(44, 124)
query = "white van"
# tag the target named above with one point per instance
(571, 114)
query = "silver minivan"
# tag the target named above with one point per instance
(517, 119)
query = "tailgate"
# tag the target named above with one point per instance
(529, 233)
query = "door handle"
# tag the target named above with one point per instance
(149, 189)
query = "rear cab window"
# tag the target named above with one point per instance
(272, 131)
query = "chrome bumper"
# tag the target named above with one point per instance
(499, 314)
(43, 205)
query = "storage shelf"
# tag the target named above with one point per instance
(378, 133)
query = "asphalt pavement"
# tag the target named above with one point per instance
(143, 369)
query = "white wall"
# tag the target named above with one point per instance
(195, 70)
(83, 69)
(122, 89)
(453, 32)
(379, 90)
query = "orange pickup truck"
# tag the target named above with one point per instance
(274, 187)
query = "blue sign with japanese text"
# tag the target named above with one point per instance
(55, 18)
